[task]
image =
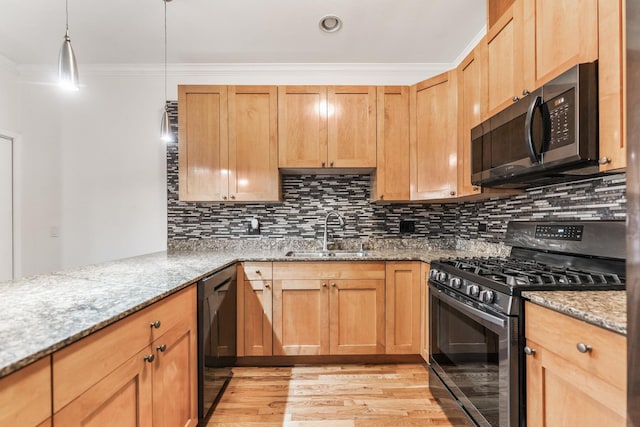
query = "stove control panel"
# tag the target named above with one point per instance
(471, 290)
(559, 232)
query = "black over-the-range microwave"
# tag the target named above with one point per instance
(550, 135)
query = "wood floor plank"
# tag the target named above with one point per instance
(329, 396)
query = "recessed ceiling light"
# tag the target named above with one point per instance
(330, 23)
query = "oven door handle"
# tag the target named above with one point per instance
(471, 310)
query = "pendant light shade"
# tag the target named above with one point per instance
(67, 64)
(165, 127)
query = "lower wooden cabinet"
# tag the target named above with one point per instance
(402, 307)
(25, 396)
(155, 385)
(322, 308)
(255, 301)
(576, 372)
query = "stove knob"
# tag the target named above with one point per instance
(455, 282)
(473, 290)
(442, 277)
(433, 273)
(487, 296)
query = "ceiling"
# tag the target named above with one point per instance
(241, 31)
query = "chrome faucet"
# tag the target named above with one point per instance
(326, 221)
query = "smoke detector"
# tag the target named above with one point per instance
(330, 23)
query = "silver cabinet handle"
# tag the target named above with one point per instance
(476, 188)
(525, 92)
(584, 348)
(323, 164)
(529, 351)
(452, 193)
(324, 285)
(233, 197)
(267, 285)
(604, 160)
(331, 163)
(515, 99)
(224, 197)
(333, 285)
(149, 358)
(155, 324)
(382, 197)
(257, 271)
(161, 348)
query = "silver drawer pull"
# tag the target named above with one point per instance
(155, 324)
(149, 358)
(529, 351)
(584, 348)
(161, 348)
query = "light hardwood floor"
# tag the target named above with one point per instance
(329, 395)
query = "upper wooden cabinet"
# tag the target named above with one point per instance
(557, 35)
(434, 141)
(391, 180)
(504, 57)
(612, 86)
(568, 387)
(327, 127)
(228, 143)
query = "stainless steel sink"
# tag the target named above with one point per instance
(327, 254)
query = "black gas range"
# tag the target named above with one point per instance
(476, 308)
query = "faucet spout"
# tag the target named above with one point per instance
(326, 223)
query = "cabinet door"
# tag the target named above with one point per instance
(202, 143)
(471, 107)
(122, 398)
(559, 393)
(504, 59)
(424, 313)
(557, 35)
(25, 395)
(253, 143)
(392, 178)
(611, 84)
(302, 126)
(300, 317)
(351, 112)
(258, 329)
(356, 317)
(175, 388)
(402, 307)
(433, 140)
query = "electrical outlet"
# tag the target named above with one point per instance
(253, 227)
(482, 226)
(407, 226)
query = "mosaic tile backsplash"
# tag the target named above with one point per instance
(308, 198)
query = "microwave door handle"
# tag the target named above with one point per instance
(528, 130)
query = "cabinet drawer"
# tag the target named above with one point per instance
(25, 395)
(257, 270)
(84, 363)
(328, 270)
(561, 334)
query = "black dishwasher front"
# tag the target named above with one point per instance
(216, 337)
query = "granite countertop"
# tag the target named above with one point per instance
(42, 314)
(607, 309)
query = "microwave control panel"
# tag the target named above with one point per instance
(559, 232)
(561, 119)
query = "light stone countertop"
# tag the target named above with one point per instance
(42, 314)
(607, 309)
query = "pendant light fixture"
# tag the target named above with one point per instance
(165, 126)
(67, 64)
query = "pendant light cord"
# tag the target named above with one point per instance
(165, 54)
(66, 14)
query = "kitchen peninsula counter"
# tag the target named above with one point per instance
(42, 314)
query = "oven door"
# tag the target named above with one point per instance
(475, 354)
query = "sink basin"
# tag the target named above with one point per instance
(327, 254)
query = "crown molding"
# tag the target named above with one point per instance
(261, 73)
(472, 44)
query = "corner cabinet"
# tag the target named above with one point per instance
(327, 127)
(130, 373)
(227, 143)
(434, 142)
(322, 308)
(391, 181)
(576, 372)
